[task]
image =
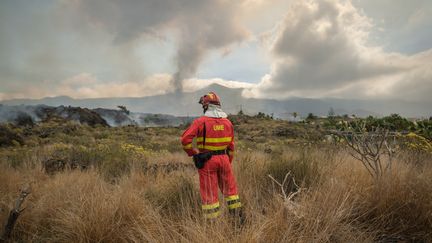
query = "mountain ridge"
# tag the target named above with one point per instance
(182, 104)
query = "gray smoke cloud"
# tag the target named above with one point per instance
(199, 25)
(321, 49)
(12, 113)
(323, 44)
(18, 114)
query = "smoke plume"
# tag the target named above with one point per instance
(199, 25)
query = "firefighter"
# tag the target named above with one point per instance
(213, 156)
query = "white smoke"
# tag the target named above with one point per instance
(12, 113)
(200, 25)
(322, 49)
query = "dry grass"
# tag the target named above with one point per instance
(341, 203)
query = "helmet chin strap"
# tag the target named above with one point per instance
(205, 108)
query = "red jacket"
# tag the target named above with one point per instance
(219, 136)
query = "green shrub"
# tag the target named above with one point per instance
(10, 136)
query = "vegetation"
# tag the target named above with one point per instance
(124, 109)
(136, 184)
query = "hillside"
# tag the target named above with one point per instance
(184, 104)
(122, 184)
(28, 115)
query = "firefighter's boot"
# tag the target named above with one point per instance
(237, 217)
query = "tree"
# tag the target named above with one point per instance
(261, 115)
(124, 109)
(373, 149)
(395, 122)
(311, 116)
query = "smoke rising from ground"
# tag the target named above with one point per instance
(12, 113)
(199, 25)
(32, 114)
(328, 48)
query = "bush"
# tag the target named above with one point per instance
(174, 196)
(301, 164)
(10, 136)
(23, 119)
(18, 157)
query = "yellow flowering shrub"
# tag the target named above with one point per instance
(415, 142)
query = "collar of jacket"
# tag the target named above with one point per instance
(215, 111)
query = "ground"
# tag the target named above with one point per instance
(136, 184)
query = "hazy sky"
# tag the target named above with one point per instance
(364, 49)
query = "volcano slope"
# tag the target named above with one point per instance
(133, 184)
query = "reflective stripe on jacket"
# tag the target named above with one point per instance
(219, 135)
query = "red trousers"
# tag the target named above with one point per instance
(217, 174)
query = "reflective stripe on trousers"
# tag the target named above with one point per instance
(211, 210)
(233, 202)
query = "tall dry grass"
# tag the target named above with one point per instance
(340, 202)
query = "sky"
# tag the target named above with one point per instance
(277, 49)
